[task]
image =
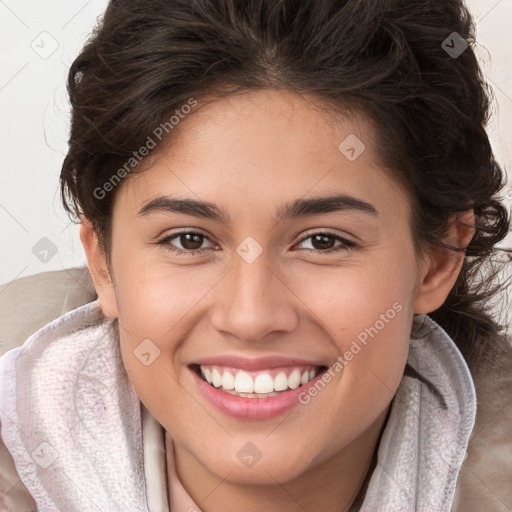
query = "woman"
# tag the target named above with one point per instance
(286, 208)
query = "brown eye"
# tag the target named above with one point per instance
(190, 241)
(324, 242)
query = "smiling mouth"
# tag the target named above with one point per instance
(257, 384)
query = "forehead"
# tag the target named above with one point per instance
(265, 145)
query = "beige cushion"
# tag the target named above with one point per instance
(29, 303)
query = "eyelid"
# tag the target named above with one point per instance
(186, 231)
(345, 243)
(346, 238)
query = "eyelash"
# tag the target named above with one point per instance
(345, 244)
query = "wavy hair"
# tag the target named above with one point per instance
(384, 58)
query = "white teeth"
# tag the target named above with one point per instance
(244, 383)
(228, 381)
(263, 383)
(281, 382)
(216, 378)
(294, 379)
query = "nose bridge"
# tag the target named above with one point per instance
(253, 300)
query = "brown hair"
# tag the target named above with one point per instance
(386, 58)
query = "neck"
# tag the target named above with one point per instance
(337, 484)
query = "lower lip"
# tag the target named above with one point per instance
(252, 408)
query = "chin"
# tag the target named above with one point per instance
(278, 468)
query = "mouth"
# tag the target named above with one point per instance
(261, 384)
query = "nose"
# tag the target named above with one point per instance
(253, 302)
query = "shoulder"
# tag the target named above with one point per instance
(486, 474)
(27, 304)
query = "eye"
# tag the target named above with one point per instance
(189, 240)
(322, 242)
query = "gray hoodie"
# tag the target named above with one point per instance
(81, 447)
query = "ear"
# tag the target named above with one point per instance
(440, 271)
(98, 268)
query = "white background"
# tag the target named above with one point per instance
(34, 119)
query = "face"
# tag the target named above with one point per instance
(320, 292)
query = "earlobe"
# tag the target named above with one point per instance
(98, 269)
(444, 265)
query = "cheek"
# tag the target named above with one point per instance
(367, 313)
(359, 301)
(159, 306)
(156, 300)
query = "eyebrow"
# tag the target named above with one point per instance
(294, 209)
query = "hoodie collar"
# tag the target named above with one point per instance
(425, 440)
(91, 444)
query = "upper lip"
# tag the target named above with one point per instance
(255, 364)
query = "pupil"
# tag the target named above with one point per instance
(187, 237)
(324, 242)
